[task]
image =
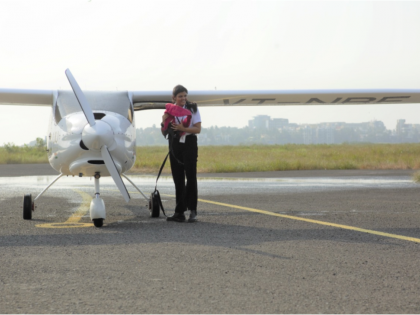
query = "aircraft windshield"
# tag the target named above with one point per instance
(116, 102)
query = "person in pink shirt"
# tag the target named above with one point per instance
(184, 154)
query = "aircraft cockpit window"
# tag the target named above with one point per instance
(116, 102)
(57, 114)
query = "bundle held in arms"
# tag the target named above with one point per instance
(174, 113)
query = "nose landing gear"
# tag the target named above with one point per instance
(97, 206)
(98, 222)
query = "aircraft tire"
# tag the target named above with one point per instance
(98, 222)
(27, 207)
(154, 207)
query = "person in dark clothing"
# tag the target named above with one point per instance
(184, 156)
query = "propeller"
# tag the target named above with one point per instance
(98, 136)
(112, 169)
(84, 104)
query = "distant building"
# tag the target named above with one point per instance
(291, 126)
(308, 135)
(325, 135)
(277, 123)
(263, 129)
(377, 125)
(260, 121)
(400, 129)
(265, 122)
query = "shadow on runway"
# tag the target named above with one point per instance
(139, 228)
(238, 237)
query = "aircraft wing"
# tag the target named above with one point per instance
(27, 97)
(158, 99)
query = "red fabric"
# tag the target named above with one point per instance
(176, 111)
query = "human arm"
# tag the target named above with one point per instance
(164, 117)
(194, 129)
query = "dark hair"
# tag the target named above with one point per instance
(192, 107)
(179, 89)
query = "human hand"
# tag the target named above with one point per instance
(178, 127)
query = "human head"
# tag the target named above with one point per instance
(179, 95)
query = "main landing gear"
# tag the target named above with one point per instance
(154, 206)
(27, 207)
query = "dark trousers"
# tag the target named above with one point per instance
(187, 153)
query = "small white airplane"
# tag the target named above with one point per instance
(93, 133)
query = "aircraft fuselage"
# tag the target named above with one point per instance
(68, 153)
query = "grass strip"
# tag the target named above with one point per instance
(12, 154)
(260, 158)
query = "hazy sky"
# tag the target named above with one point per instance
(207, 45)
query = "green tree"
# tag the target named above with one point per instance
(40, 143)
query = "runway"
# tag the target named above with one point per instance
(280, 242)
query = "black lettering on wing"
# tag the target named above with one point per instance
(359, 100)
(392, 99)
(240, 101)
(315, 100)
(262, 100)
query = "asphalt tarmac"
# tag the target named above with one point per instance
(278, 242)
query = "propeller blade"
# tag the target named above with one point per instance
(84, 104)
(112, 169)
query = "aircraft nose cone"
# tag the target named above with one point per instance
(94, 137)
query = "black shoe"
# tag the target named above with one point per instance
(177, 217)
(193, 216)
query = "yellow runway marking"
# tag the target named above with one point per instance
(341, 226)
(73, 221)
